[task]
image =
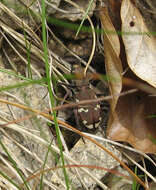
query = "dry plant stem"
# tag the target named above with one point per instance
(22, 58)
(128, 82)
(21, 23)
(56, 8)
(84, 102)
(74, 166)
(33, 155)
(55, 149)
(20, 38)
(65, 106)
(144, 165)
(123, 146)
(139, 85)
(72, 53)
(81, 134)
(93, 33)
(35, 50)
(9, 60)
(144, 170)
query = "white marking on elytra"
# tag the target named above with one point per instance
(82, 110)
(97, 124)
(97, 107)
(91, 126)
(84, 122)
(77, 100)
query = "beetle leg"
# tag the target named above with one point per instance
(77, 118)
(68, 92)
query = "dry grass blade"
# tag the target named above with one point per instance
(21, 23)
(93, 33)
(16, 51)
(45, 143)
(80, 133)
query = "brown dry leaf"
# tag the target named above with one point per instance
(132, 122)
(128, 121)
(140, 47)
(112, 60)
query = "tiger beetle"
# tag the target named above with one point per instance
(89, 115)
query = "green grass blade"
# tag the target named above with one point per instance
(22, 84)
(50, 91)
(10, 180)
(14, 165)
(86, 13)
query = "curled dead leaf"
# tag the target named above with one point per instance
(112, 60)
(139, 45)
(134, 121)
